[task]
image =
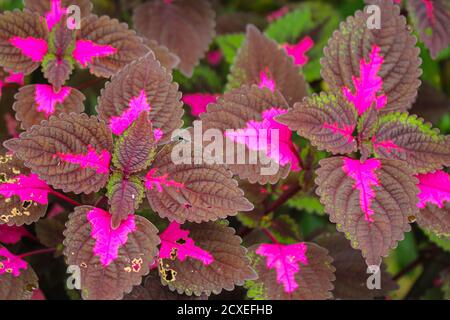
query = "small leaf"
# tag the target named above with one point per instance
(432, 18)
(405, 137)
(142, 86)
(300, 271)
(71, 152)
(23, 41)
(168, 59)
(16, 205)
(106, 46)
(192, 192)
(176, 244)
(152, 289)
(186, 27)
(135, 149)
(38, 102)
(247, 117)
(354, 48)
(351, 271)
(370, 201)
(125, 196)
(326, 120)
(127, 257)
(50, 230)
(193, 277)
(260, 55)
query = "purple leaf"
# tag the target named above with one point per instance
(27, 188)
(10, 263)
(13, 234)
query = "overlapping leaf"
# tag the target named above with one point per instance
(142, 86)
(192, 192)
(13, 209)
(152, 289)
(229, 268)
(186, 27)
(408, 138)
(22, 25)
(245, 107)
(432, 18)
(132, 262)
(326, 120)
(351, 271)
(285, 273)
(50, 230)
(135, 148)
(19, 287)
(37, 102)
(259, 58)
(12, 234)
(70, 152)
(168, 59)
(116, 45)
(125, 195)
(371, 202)
(354, 41)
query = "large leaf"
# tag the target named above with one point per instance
(352, 47)
(351, 271)
(87, 242)
(135, 148)
(432, 18)
(23, 41)
(37, 102)
(261, 58)
(71, 152)
(192, 192)
(229, 268)
(326, 120)
(125, 195)
(105, 45)
(371, 202)
(142, 86)
(245, 110)
(18, 208)
(300, 271)
(152, 289)
(186, 27)
(405, 137)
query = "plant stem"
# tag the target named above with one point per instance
(65, 198)
(289, 193)
(36, 252)
(270, 235)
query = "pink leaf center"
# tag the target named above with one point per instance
(434, 188)
(152, 181)
(345, 131)
(199, 101)
(270, 136)
(10, 263)
(285, 260)
(108, 240)
(46, 98)
(429, 7)
(368, 84)
(55, 14)
(175, 243)
(265, 81)
(33, 48)
(28, 188)
(214, 57)
(92, 160)
(388, 145)
(275, 15)
(86, 50)
(298, 51)
(139, 104)
(363, 173)
(15, 77)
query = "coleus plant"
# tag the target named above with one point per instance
(385, 168)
